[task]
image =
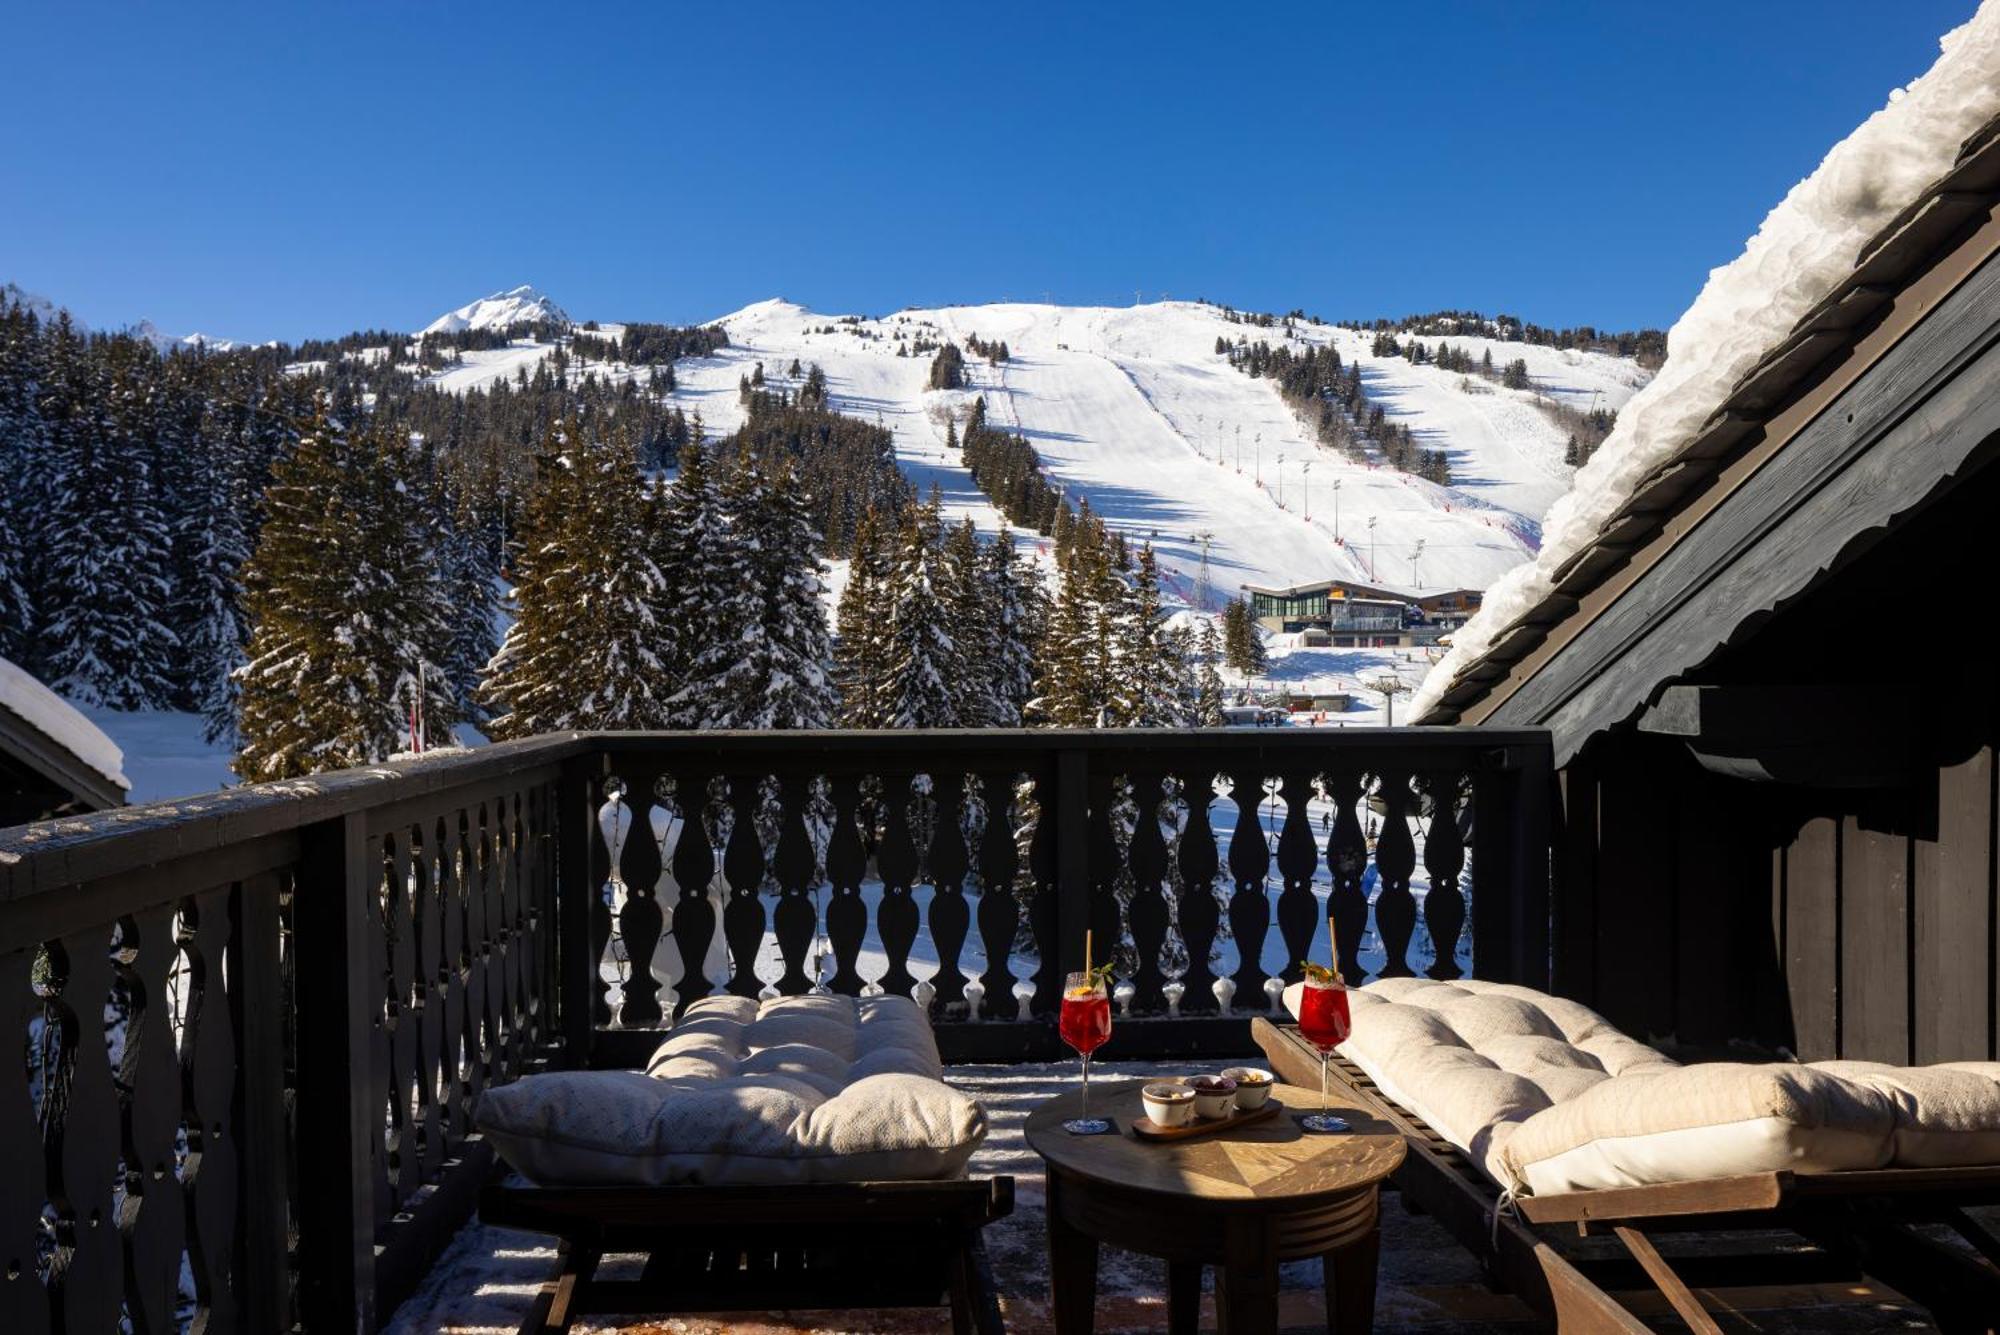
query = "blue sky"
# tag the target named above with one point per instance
(284, 170)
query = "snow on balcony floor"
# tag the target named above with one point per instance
(1428, 1283)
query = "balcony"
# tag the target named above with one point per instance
(303, 986)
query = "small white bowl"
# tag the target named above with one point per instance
(1168, 1103)
(1253, 1086)
(1214, 1096)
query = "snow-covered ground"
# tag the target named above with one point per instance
(165, 753)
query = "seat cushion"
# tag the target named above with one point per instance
(799, 1089)
(1547, 1096)
(1476, 1059)
(1714, 1119)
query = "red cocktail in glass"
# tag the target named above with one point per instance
(1325, 1023)
(1085, 1023)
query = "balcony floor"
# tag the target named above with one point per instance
(484, 1282)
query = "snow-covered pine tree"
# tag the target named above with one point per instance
(105, 621)
(1152, 668)
(691, 552)
(1062, 688)
(582, 651)
(22, 475)
(973, 630)
(713, 605)
(470, 578)
(924, 666)
(211, 543)
(1013, 589)
(861, 652)
(622, 682)
(1207, 681)
(1242, 647)
(349, 624)
(529, 684)
(781, 679)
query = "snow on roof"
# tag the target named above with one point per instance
(55, 718)
(1806, 246)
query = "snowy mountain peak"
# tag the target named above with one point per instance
(519, 305)
(13, 294)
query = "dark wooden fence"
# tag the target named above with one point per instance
(253, 1024)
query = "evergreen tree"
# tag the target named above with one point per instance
(106, 609)
(23, 472)
(1012, 588)
(969, 611)
(921, 690)
(1207, 702)
(1242, 646)
(1152, 668)
(471, 576)
(861, 655)
(582, 652)
(779, 678)
(349, 622)
(211, 543)
(713, 606)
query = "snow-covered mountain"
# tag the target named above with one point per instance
(13, 294)
(1134, 409)
(166, 342)
(520, 305)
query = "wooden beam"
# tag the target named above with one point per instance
(1820, 735)
(1670, 1286)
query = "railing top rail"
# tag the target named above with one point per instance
(49, 854)
(1409, 742)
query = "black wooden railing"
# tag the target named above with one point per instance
(253, 1023)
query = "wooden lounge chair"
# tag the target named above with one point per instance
(762, 1248)
(1860, 1222)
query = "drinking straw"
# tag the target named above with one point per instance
(1333, 949)
(1086, 952)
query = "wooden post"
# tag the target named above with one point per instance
(575, 838)
(1072, 812)
(261, 1179)
(1534, 803)
(1510, 868)
(337, 1117)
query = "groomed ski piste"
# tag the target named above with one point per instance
(1133, 410)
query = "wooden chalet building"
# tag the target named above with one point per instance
(1795, 810)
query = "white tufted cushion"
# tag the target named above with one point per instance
(800, 1089)
(1476, 1059)
(1547, 1096)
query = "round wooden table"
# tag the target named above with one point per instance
(1241, 1201)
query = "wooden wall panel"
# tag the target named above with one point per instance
(1874, 943)
(1812, 937)
(1955, 918)
(1636, 958)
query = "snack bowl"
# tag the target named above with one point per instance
(1253, 1086)
(1214, 1096)
(1168, 1103)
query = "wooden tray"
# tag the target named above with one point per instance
(1145, 1128)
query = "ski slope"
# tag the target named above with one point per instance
(1133, 410)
